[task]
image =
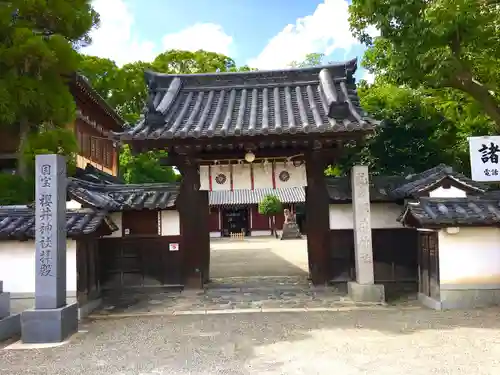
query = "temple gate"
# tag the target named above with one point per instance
(257, 129)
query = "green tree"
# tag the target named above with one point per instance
(51, 141)
(270, 206)
(144, 167)
(37, 54)
(440, 44)
(310, 60)
(414, 134)
(125, 90)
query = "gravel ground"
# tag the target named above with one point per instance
(387, 342)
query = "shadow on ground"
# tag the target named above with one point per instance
(375, 342)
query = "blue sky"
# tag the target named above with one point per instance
(266, 34)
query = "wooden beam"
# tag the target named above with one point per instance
(317, 218)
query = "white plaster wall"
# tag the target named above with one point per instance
(383, 215)
(452, 192)
(17, 267)
(215, 235)
(73, 205)
(471, 256)
(116, 217)
(170, 223)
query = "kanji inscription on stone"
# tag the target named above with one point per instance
(50, 231)
(362, 225)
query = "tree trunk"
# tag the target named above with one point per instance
(24, 130)
(466, 83)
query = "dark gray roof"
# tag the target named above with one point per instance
(381, 187)
(83, 84)
(120, 197)
(19, 223)
(425, 180)
(449, 212)
(393, 188)
(92, 174)
(244, 196)
(311, 100)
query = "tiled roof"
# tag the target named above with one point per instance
(339, 188)
(425, 180)
(83, 84)
(244, 196)
(449, 212)
(119, 197)
(92, 174)
(19, 223)
(311, 100)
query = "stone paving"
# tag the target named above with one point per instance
(390, 342)
(233, 294)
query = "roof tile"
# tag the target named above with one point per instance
(244, 196)
(120, 197)
(447, 212)
(288, 101)
(19, 223)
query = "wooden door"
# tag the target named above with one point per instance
(428, 283)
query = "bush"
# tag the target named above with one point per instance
(270, 205)
(15, 190)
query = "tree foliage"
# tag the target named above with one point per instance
(51, 141)
(144, 167)
(439, 44)
(270, 205)
(37, 40)
(125, 90)
(414, 135)
(310, 60)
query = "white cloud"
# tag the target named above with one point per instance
(323, 31)
(369, 77)
(117, 39)
(207, 36)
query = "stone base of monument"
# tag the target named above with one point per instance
(290, 231)
(4, 304)
(366, 292)
(41, 326)
(10, 325)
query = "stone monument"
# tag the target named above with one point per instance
(10, 325)
(364, 288)
(290, 228)
(52, 320)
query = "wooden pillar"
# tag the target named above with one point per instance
(193, 214)
(317, 219)
(204, 233)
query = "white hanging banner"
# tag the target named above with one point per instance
(262, 176)
(204, 178)
(288, 175)
(242, 176)
(484, 158)
(221, 177)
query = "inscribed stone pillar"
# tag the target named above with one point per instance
(51, 320)
(362, 225)
(50, 237)
(364, 289)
